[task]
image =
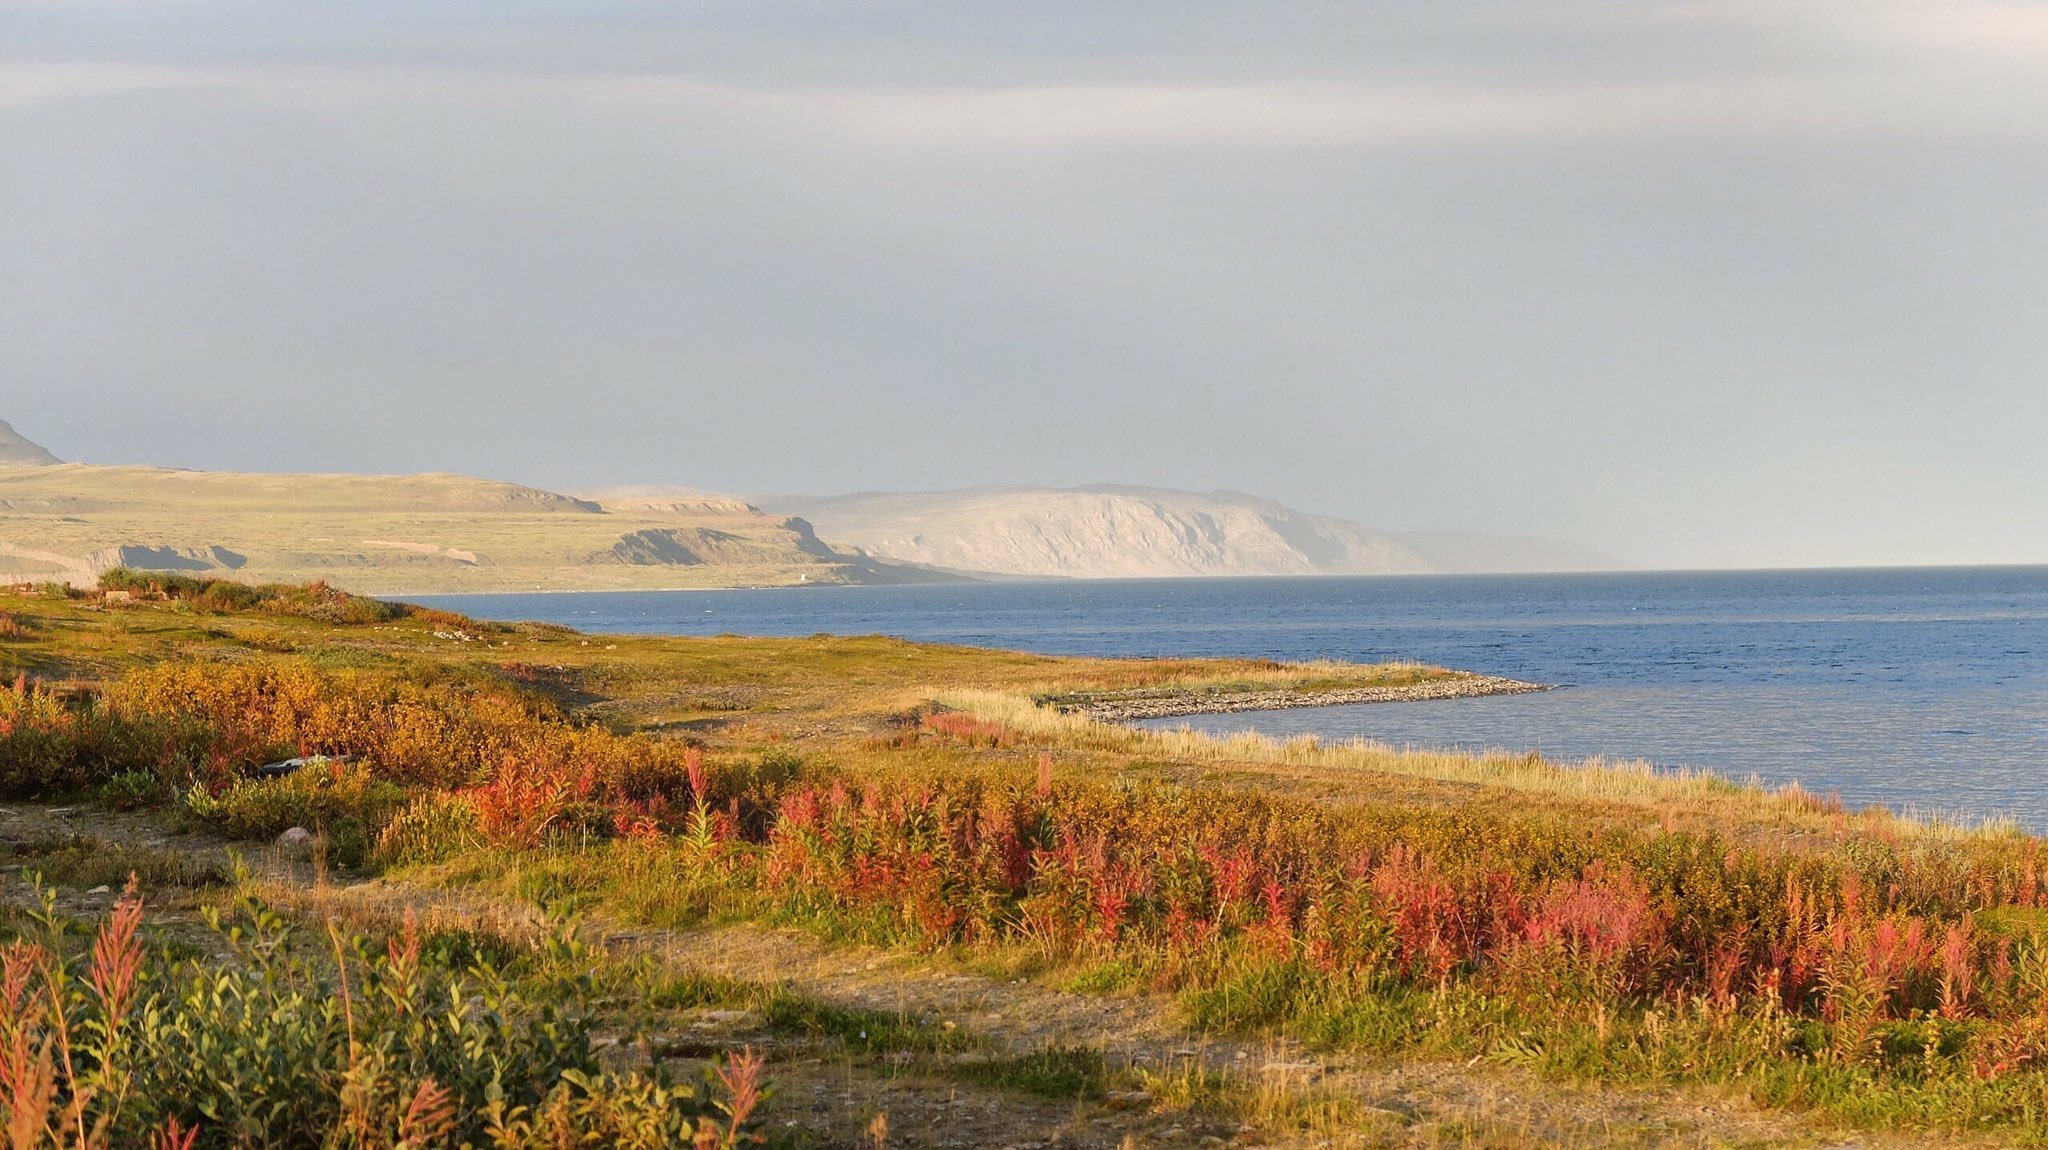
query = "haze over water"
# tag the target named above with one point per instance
(1923, 689)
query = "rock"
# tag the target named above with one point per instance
(101, 890)
(679, 1046)
(1178, 702)
(280, 769)
(1128, 1099)
(295, 837)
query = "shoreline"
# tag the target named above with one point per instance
(1173, 703)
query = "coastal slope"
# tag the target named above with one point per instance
(1113, 532)
(17, 451)
(398, 534)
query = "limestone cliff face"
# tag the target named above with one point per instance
(1145, 532)
(1101, 533)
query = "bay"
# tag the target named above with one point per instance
(1920, 689)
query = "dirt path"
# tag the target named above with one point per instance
(1281, 1084)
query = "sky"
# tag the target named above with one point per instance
(1714, 283)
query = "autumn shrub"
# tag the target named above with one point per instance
(441, 733)
(528, 775)
(40, 739)
(50, 743)
(967, 729)
(1519, 934)
(1674, 955)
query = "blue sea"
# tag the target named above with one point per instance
(1920, 689)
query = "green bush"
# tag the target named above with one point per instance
(267, 1047)
(432, 827)
(311, 600)
(131, 790)
(344, 801)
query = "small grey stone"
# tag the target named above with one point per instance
(295, 837)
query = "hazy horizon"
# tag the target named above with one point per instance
(1712, 284)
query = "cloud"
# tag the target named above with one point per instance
(1218, 74)
(1339, 115)
(1698, 281)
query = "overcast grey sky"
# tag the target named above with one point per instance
(1725, 282)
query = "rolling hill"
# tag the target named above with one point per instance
(411, 534)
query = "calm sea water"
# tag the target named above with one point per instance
(1920, 689)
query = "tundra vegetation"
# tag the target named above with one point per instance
(509, 818)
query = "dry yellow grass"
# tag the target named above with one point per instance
(387, 534)
(1630, 783)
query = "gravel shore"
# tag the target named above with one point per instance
(1132, 706)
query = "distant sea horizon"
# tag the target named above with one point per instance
(1923, 689)
(998, 578)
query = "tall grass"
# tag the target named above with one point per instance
(117, 1047)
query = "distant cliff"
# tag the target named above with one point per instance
(16, 451)
(400, 534)
(1140, 532)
